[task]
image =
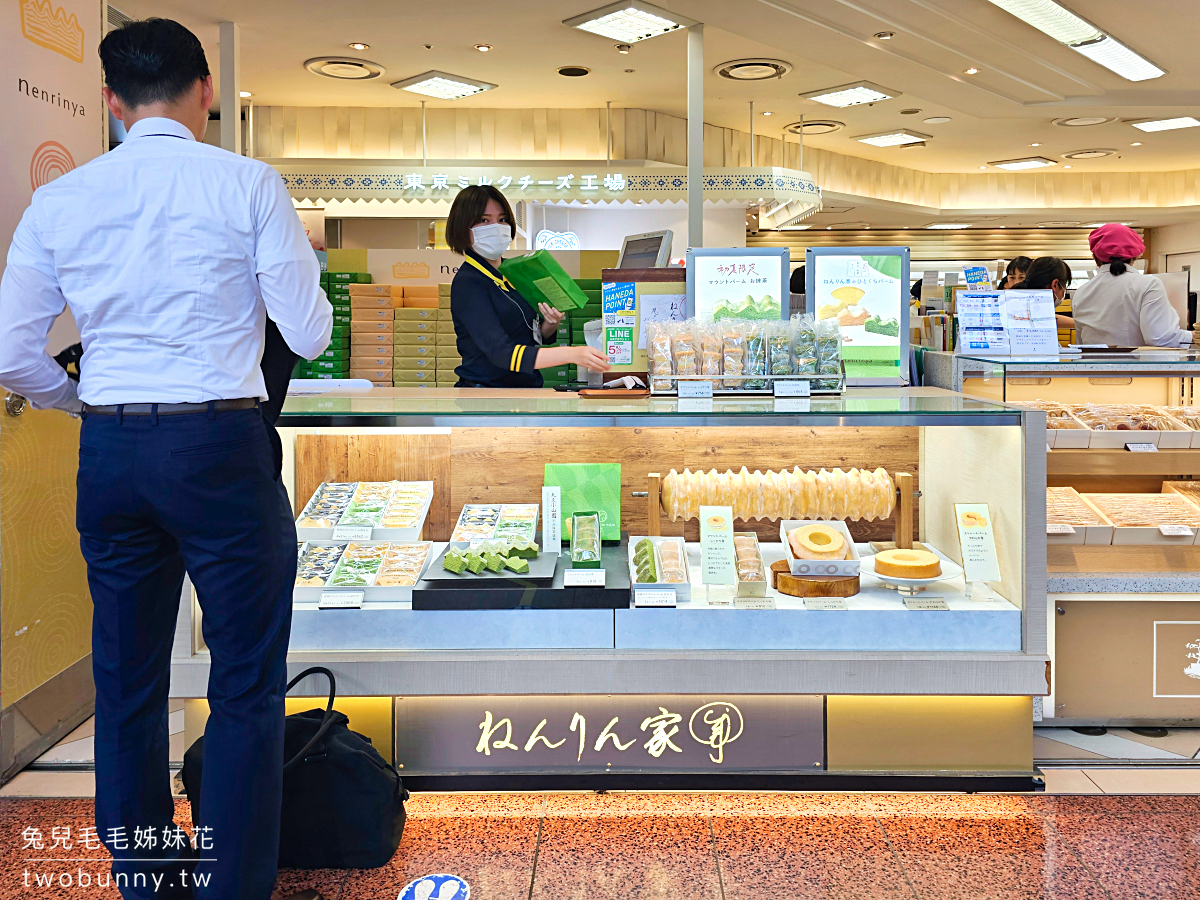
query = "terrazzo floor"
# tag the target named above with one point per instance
(731, 846)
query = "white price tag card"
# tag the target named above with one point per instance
(1176, 531)
(695, 389)
(754, 603)
(695, 405)
(653, 596)
(925, 603)
(825, 603)
(1141, 448)
(583, 578)
(341, 600)
(352, 532)
(552, 520)
(1059, 528)
(792, 405)
(977, 541)
(791, 388)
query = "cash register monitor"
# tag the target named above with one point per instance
(651, 250)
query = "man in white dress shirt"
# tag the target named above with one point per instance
(171, 254)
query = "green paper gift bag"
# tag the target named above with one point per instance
(586, 487)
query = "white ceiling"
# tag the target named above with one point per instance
(1026, 79)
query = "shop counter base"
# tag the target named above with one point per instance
(1032, 781)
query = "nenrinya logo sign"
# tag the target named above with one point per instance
(50, 160)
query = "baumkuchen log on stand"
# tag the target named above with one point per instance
(794, 586)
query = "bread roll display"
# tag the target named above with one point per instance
(794, 494)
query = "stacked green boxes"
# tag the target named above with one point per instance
(334, 361)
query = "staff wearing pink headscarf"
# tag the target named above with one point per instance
(1120, 306)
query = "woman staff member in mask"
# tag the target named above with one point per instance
(1121, 307)
(500, 336)
(1049, 273)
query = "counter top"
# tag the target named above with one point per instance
(440, 407)
(946, 370)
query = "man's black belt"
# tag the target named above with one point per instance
(169, 409)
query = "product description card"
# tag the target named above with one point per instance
(552, 519)
(716, 545)
(977, 542)
(619, 301)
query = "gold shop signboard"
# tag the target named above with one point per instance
(550, 734)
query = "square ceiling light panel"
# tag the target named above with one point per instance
(851, 95)
(1167, 124)
(629, 22)
(896, 138)
(1116, 57)
(1028, 162)
(442, 85)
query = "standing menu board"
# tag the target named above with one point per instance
(866, 290)
(738, 283)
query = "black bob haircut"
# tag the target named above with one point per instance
(152, 61)
(1043, 272)
(468, 209)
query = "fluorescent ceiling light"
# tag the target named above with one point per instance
(1114, 55)
(850, 95)
(1167, 124)
(1029, 162)
(1048, 17)
(895, 138)
(442, 85)
(947, 226)
(629, 22)
(795, 228)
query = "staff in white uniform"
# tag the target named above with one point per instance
(1122, 307)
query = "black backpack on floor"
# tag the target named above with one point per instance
(343, 803)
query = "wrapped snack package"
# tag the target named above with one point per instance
(585, 540)
(805, 344)
(756, 356)
(402, 564)
(1064, 506)
(829, 353)
(670, 555)
(658, 338)
(683, 349)
(327, 505)
(710, 352)
(779, 348)
(733, 353)
(316, 563)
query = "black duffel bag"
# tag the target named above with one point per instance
(343, 803)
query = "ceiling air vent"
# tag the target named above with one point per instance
(753, 69)
(815, 126)
(1095, 153)
(346, 68)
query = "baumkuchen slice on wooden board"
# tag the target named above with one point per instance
(794, 586)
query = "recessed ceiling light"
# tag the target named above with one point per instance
(1082, 121)
(936, 120)
(855, 94)
(1116, 57)
(754, 69)
(344, 67)
(1136, 144)
(442, 85)
(483, 48)
(884, 35)
(983, 167)
(1003, 226)
(623, 48)
(358, 45)
(971, 71)
(629, 71)
(948, 226)
(894, 138)
(1066, 167)
(629, 21)
(1035, 145)
(815, 126)
(1166, 124)
(244, 94)
(1091, 153)
(1028, 162)
(574, 71)
(768, 113)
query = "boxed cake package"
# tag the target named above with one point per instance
(589, 486)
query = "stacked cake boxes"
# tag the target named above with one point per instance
(414, 333)
(372, 308)
(447, 342)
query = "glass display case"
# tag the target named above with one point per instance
(1123, 566)
(948, 663)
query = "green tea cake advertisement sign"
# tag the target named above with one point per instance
(586, 487)
(739, 286)
(864, 294)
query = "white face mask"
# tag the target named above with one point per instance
(490, 241)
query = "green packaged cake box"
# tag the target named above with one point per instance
(349, 277)
(585, 487)
(540, 279)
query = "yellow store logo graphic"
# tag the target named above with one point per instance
(52, 28)
(50, 160)
(410, 270)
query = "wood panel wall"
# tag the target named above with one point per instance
(506, 465)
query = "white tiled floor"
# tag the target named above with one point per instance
(1051, 743)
